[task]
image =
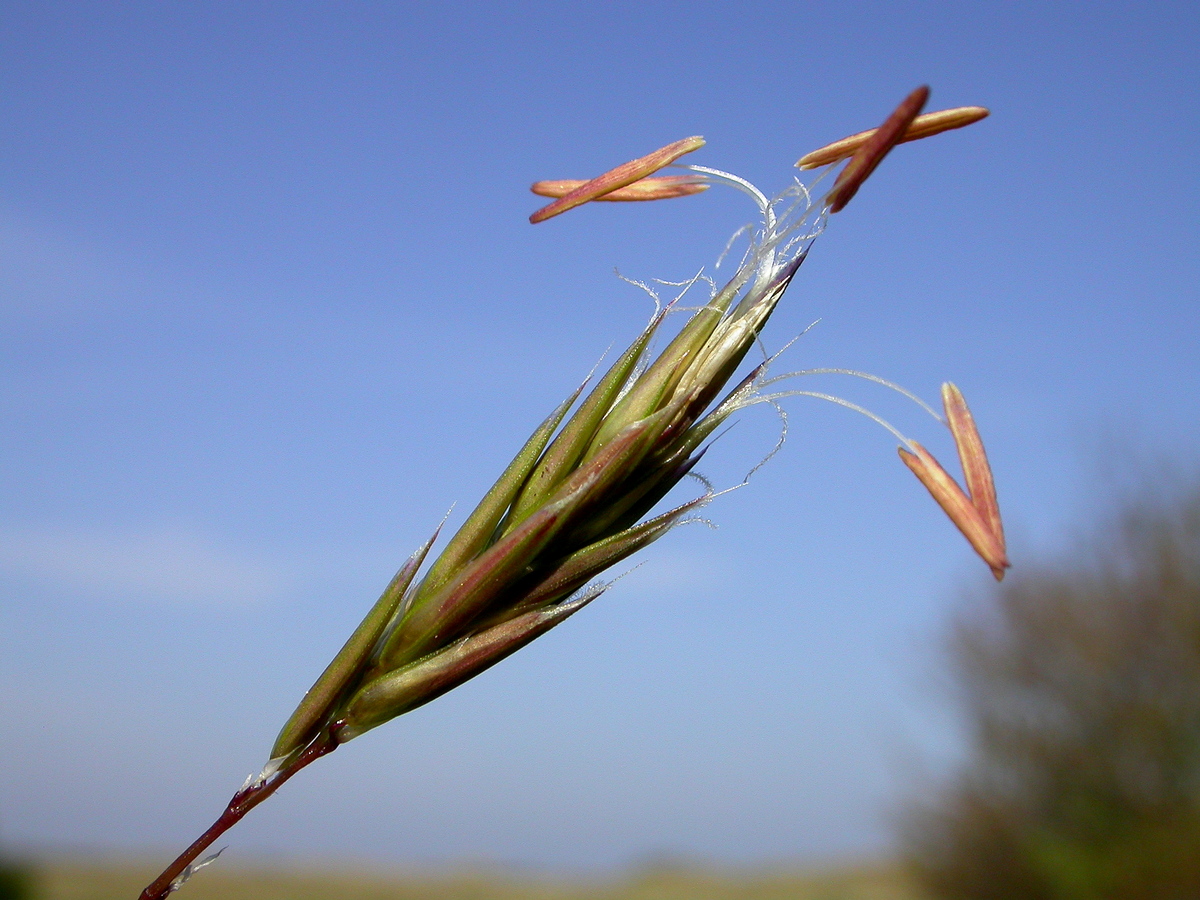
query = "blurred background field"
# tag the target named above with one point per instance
(65, 879)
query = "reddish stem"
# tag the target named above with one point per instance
(241, 803)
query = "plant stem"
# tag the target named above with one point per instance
(241, 803)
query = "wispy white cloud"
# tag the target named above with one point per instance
(167, 566)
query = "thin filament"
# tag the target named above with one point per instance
(879, 420)
(864, 375)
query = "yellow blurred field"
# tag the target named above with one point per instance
(82, 880)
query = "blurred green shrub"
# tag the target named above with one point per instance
(16, 882)
(1081, 684)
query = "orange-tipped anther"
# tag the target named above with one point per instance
(619, 177)
(663, 188)
(872, 151)
(974, 460)
(958, 506)
(923, 126)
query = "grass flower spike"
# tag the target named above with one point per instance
(581, 495)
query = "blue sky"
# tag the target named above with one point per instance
(270, 304)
